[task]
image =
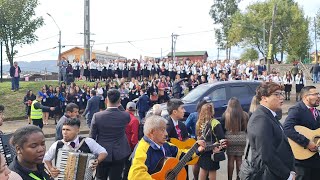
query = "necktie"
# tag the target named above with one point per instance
(162, 149)
(314, 112)
(179, 132)
(73, 144)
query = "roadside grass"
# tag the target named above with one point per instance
(13, 101)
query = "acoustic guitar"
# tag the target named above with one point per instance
(172, 168)
(300, 152)
(187, 144)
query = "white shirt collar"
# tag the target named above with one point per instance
(76, 141)
(273, 113)
(158, 146)
(175, 122)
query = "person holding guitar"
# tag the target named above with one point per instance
(153, 148)
(211, 131)
(176, 128)
(304, 113)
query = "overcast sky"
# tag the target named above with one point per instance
(127, 20)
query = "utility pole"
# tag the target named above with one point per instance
(59, 43)
(174, 40)
(315, 38)
(1, 61)
(264, 42)
(172, 46)
(59, 59)
(270, 38)
(86, 31)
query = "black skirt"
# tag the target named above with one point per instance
(125, 73)
(104, 73)
(299, 87)
(86, 72)
(76, 73)
(287, 87)
(206, 163)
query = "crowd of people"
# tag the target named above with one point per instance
(158, 80)
(122, 153)
(127, 147)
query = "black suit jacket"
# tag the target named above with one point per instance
(92, 106)
(299, 114)
(172, 133)
(108, 129)
(269, 145)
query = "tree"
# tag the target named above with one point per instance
(18, 24)
(318, 24)
(221, 12)
(290, 34)
(249, 55)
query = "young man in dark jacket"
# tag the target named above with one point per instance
(143, 104)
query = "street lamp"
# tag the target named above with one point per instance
(59, 58)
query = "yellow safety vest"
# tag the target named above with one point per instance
(35, 113)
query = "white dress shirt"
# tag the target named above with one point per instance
(94, 147)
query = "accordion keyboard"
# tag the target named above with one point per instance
(6, 149)
(62, 159)
(74, 165)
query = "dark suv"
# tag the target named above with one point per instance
(220, 93)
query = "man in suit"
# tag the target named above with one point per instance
(270, 149)
(304, 113)
(176, 128)
(92, 107)
(108, 129)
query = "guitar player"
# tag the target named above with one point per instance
(176, 128)
(304, 113)
(153, 147)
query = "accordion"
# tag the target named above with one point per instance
(74, 165)
(6, 149)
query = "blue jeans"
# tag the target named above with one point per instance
(315, 78)
(14, 83)
(141, 115)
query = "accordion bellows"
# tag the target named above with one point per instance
(74, 165)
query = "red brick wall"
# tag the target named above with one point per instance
(194, 58)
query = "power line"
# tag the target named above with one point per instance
(147, 39)
(49, 37)
(119, 42)
(35, 52)
(144, 50)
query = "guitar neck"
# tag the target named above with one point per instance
(211, 147)
(185, 158)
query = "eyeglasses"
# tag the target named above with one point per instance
(278, 94)
(313, 94)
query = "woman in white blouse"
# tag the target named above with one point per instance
(300, 81)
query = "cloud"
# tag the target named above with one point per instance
(127, 20)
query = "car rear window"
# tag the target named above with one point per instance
(239, 91)
(196, 93)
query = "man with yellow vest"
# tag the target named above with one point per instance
(36, 111)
